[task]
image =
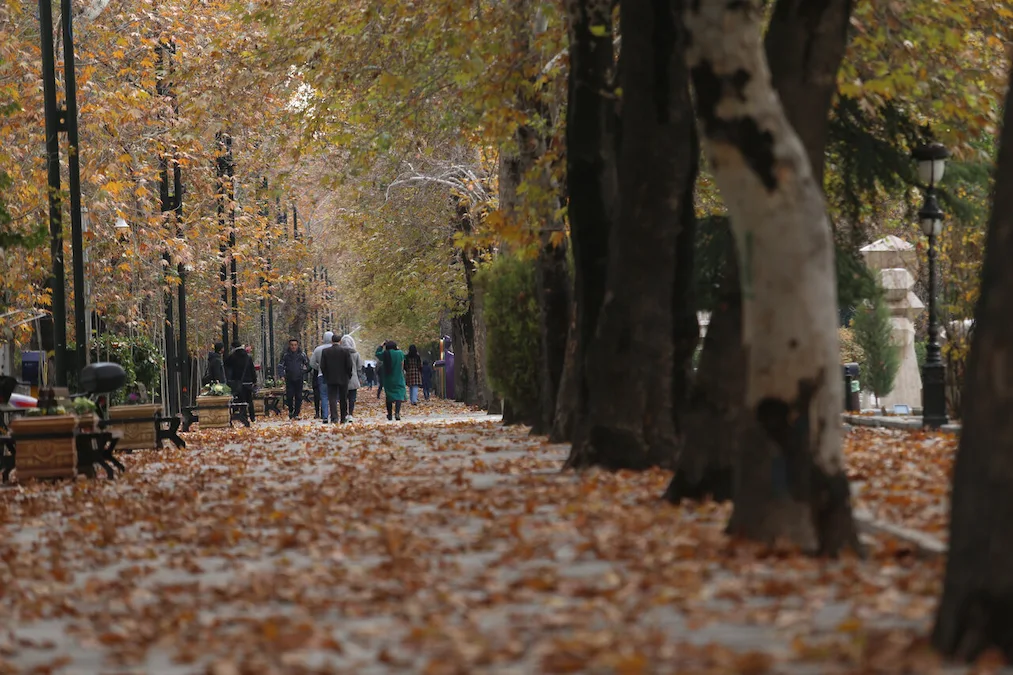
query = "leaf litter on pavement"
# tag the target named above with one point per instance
(442, 544)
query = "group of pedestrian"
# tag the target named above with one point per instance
(334, 368)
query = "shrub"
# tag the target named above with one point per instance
(512, 324)
(874, 334)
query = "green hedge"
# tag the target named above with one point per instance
(512, 324)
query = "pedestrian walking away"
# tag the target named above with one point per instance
(353, 384)
(215, 371)
(392, 378)
(321, 383)
(336, 367)
(427, 378)
(294, 365)
(413, 373)
(370, 375)
(241, 375)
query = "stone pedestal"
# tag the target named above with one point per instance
(895, 262)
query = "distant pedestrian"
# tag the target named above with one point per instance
(427, 378)
(413, 373)
(215, 371)
(241, 374)
(370, 375)
(336, 366)
(348, 342)
(321, 383)
(392, 379)
(294, 365)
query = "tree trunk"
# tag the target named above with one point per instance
(805, 43)
(566, 399)
(976, 610)
(467, 333)
(590, 170)
(630, 420)
(552, 275)
(715, 420)
(793, 483)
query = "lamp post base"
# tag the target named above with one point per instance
(934, 395)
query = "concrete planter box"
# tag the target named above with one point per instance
(45, 457)
(213, 411)
(137, 422)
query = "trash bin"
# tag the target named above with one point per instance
(852, 388)
(31, 367)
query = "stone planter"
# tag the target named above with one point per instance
(258, 399)
(137, 422)
(54, 457)
(213, 411)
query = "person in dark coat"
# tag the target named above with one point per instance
(427, 378)
(413, 373)
(241, 376)
(370, 375)
(215, 371)
(295, 365)
(336, 366)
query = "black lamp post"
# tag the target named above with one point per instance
(931, 160)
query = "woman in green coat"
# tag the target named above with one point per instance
(393, 377)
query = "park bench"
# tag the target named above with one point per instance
(237, 413)
(92, 448)
(163, 429)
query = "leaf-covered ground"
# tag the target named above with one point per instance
(442, 544)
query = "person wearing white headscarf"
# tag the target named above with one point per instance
(348, 342)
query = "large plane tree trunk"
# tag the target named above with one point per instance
(976, 610)
(804, 45)
(590, 173)
(791, 482)
(630, 420)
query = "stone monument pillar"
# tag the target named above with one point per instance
(895, 262)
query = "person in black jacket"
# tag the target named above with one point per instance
(295, 365)
(241, 375)
(216, 367)
(336, 366)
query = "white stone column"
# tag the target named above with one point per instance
(894, 262)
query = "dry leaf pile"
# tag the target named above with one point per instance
(443, 544)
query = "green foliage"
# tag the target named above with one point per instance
(881, 362)
(855, 283)
(511, 317)
(921, 348)
(137, 354)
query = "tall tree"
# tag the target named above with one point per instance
(976, 610)
(633, 343)
(590, 173)
(804, 45)
(791, 481)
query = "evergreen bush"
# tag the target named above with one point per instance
(873, 332)
(512, 325)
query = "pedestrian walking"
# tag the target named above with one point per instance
(427, 378)
(241, 375)
(294, 365)
(215, 371)
(392, 379)
(413, 373)
(379, 374)
(321, 383)
(348, 342)
(336, 366)
(370, 375)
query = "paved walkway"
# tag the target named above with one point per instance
(443, 544)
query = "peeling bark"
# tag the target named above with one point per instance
(976, 610)
(791, 480)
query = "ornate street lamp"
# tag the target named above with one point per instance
(931, 160)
